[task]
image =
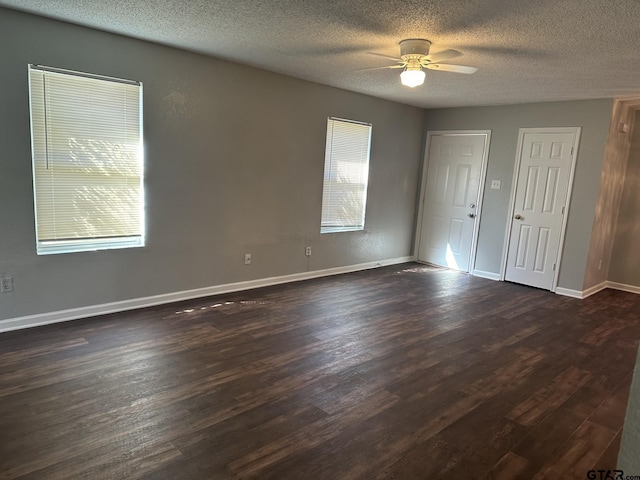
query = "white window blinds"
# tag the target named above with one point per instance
(87, 161)
(346, 173)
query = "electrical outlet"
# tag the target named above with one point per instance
(247, 258)
(6, 284)
(496, 184)
(307, 251)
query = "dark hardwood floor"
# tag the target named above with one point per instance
(404, 372)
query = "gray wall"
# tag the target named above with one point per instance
(234, 164)
(625, 258)
(609, 199)
(504, 122)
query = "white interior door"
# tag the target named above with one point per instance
(452, 194)
(537, 224)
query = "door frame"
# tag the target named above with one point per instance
(514, 185)
(481, 187)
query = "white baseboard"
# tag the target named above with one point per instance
(124, 305)
(488, 275)
(567, 292)
(595, 289)
(591, 290)
(624, 287)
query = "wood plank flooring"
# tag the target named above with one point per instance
(403, 372)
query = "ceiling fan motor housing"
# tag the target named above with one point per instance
(414, 48)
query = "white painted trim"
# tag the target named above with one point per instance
(481, 186)
(567, 204)
(135, 303)
(595, 289)
(623, 287)
(512, 207)
(576, 131)
(567, 292)
(480, 200)
(488, 275)
(581, 294)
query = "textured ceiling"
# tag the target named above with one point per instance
(526, 51)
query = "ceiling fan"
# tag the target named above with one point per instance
(414, 57)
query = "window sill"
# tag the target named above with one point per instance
(91, 245)
(341, 229)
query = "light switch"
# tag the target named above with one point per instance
(495, 184)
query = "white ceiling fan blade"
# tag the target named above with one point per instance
(389, 57)
(443, 55)
(445, 67)
(380, 68)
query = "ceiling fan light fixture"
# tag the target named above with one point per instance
(412, 77)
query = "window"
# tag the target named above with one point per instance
(86, 136)
(346, 172)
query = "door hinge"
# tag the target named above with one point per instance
(562, 210)
(554, 267)
(572, 151)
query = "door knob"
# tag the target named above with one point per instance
(471, 215)
(518, 216)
